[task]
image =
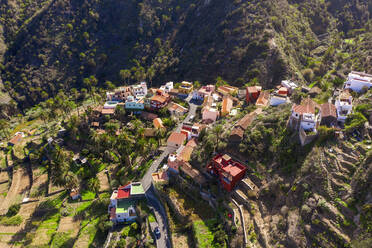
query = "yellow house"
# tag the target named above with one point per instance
(185, 88)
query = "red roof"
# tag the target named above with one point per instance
(307, 106)
(123, 192)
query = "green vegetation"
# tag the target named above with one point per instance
(11, 221)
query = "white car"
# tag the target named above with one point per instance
(191, 117)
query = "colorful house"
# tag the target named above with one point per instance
(159, 101)
(228, 171)
(134, 104)
(122, 202)
(185, 88)
(291, 86)
(227, 104)
(120, 94)
(252, 93)
(356, 81)
(203, 92)
(227, 90)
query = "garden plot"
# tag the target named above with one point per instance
(17, 190)
(103, 180)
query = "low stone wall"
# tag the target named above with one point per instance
(306, 139)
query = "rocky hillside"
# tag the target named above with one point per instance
(52, 45)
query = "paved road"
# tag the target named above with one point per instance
(155, 204)
(161, 218)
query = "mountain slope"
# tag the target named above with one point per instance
(53, 45)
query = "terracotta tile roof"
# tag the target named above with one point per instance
(185, 153)
(192, 143)
(177, 138)
(176, 107)
(158, 123)
(307, 106)
(238, 131)
(227, 104)
(263, 99)
(161, 99)
(328, 109)
(246, 120)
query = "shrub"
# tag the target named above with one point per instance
(13, 210)
(354, 121)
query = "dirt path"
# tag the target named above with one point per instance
(17, 190)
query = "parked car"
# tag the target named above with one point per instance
(157, 232)
(192, 117)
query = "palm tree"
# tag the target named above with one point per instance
(71, 180)
(125, 75)
(75, 94)
(217, 130)
(159, 135)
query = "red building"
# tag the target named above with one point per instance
(252, 93)
(230, 172)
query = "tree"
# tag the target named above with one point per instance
(4, 125)
(125, 75)
(75, 95)
(196, 85)
(71, 180)
(217, 130)
(94, 185)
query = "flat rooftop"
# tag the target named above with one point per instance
(137, 189)
(123, 206)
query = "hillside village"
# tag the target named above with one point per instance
(194, 166)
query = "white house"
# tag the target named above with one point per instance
(139, 90)
(291, 86)
(356, 81)
(204, 91)
(167, 87)
(133, 104)
(122, 202)
(304, 116)
(344, 106)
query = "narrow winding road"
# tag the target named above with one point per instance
(155, 204)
